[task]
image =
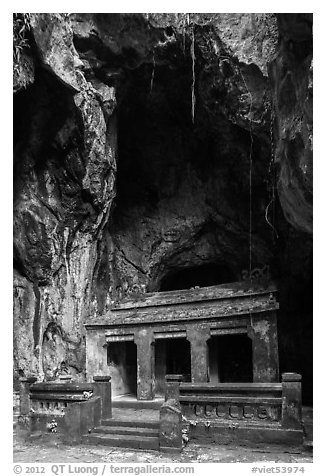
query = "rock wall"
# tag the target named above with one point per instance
(146, 144)
(291, 74)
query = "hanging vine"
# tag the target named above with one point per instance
(271, 174)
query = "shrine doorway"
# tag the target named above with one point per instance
(172, 356)
(122, 363)
(230, 358)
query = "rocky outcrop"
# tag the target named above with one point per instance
(146, 144)
(291, 74)
(64, 186)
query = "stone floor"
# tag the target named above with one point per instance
(52, 452)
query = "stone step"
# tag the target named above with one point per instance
(126, 430)
(133, 414)
(125, 441)
(127, 402)
(114, 422)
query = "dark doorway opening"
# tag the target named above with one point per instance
(122, 361)
(172, 356)
(230, 358)
(205, 275)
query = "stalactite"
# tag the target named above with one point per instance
(250, 171)
(193, 97)
(37, 315)
(186, 18)
(184, 33)
(37, 328)
(153, 72)
(68, 288)
(65, 254)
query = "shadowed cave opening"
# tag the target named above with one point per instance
(165, 161)
(161, 147)
(208, 274)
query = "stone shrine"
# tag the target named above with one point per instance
(141, 340)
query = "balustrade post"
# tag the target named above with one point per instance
(291, 401)
(171, 417)
(24, 393)
(24, 419)
(102, 388)
(172, 387)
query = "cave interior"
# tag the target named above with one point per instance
(185, 171)
(161, 151)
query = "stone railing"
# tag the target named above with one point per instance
(250, 412)
(232, 402)
(68, 408)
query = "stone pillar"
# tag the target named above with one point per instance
(198, 337)
(291, 401)
(263, 333)
(102, 388)
(144, 340)
(96, 354)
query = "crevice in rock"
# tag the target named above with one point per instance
(37, 317)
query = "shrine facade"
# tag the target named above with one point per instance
(141, 339)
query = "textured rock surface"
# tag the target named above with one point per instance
(104, 117)
(292, 79)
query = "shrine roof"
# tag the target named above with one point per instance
(228, 291)
(224, 301)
